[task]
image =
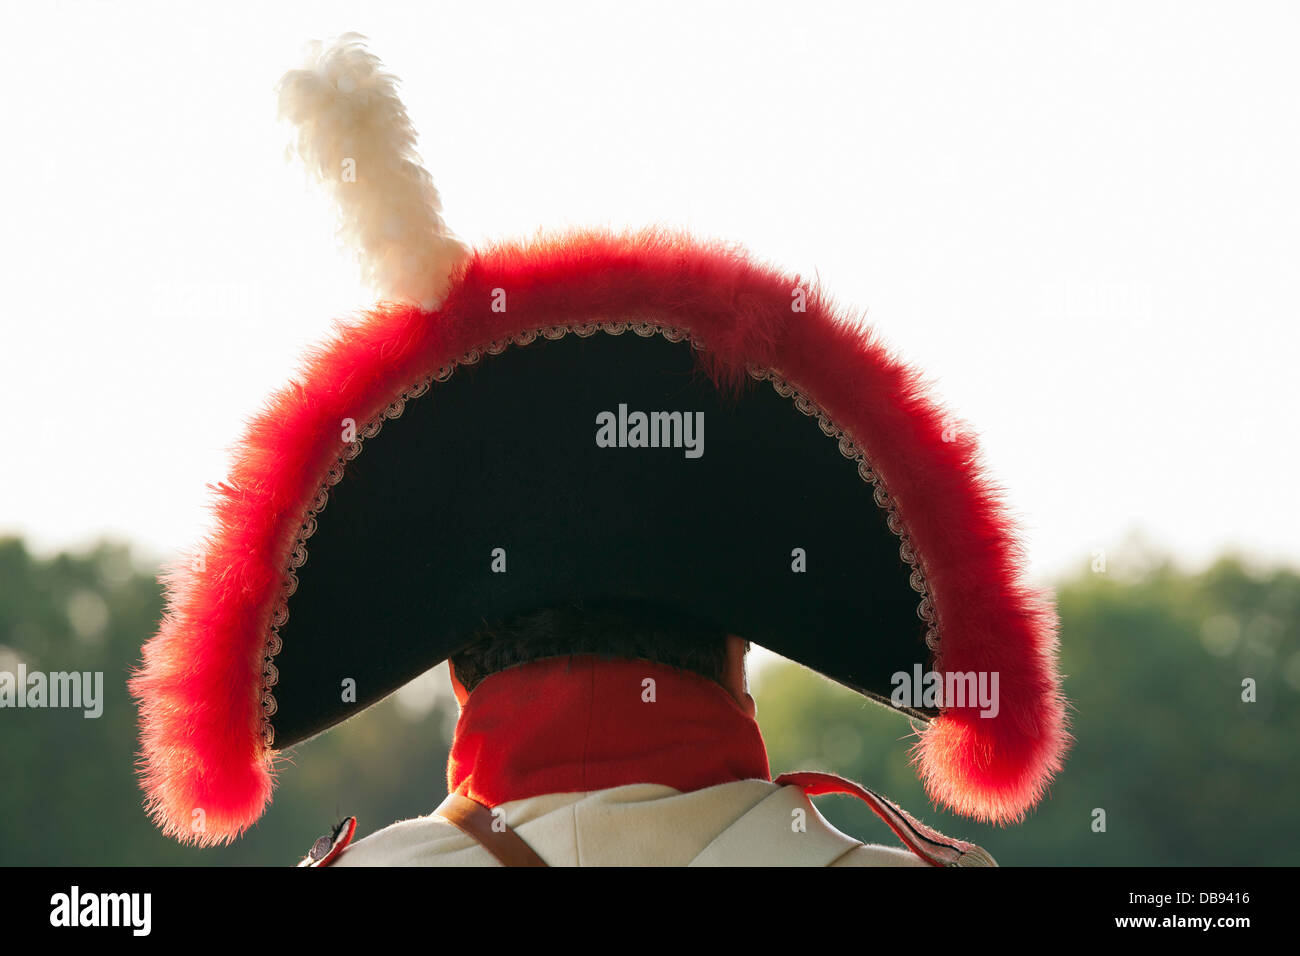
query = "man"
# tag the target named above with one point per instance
(605, 738)
(622, 449)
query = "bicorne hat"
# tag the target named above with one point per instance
(584, 418)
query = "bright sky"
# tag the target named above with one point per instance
(1079, 219)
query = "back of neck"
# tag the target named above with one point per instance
(578, 724)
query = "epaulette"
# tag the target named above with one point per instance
(926, 842)
(326, 850)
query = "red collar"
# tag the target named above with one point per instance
(577, 724)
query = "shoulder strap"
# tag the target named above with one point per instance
(927, 843)
(489, 830)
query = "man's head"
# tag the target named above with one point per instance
(628, 631)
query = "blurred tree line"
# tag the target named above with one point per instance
(1184, 769)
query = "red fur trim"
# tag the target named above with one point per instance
(199, 686)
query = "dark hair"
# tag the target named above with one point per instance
(608, 630)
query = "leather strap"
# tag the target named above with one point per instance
(489, 831)
(927, 843)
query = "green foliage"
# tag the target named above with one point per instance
(70, 795)
(1185, 770)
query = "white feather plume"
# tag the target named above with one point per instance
(354, 135)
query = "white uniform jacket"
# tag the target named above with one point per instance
(744, 823)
